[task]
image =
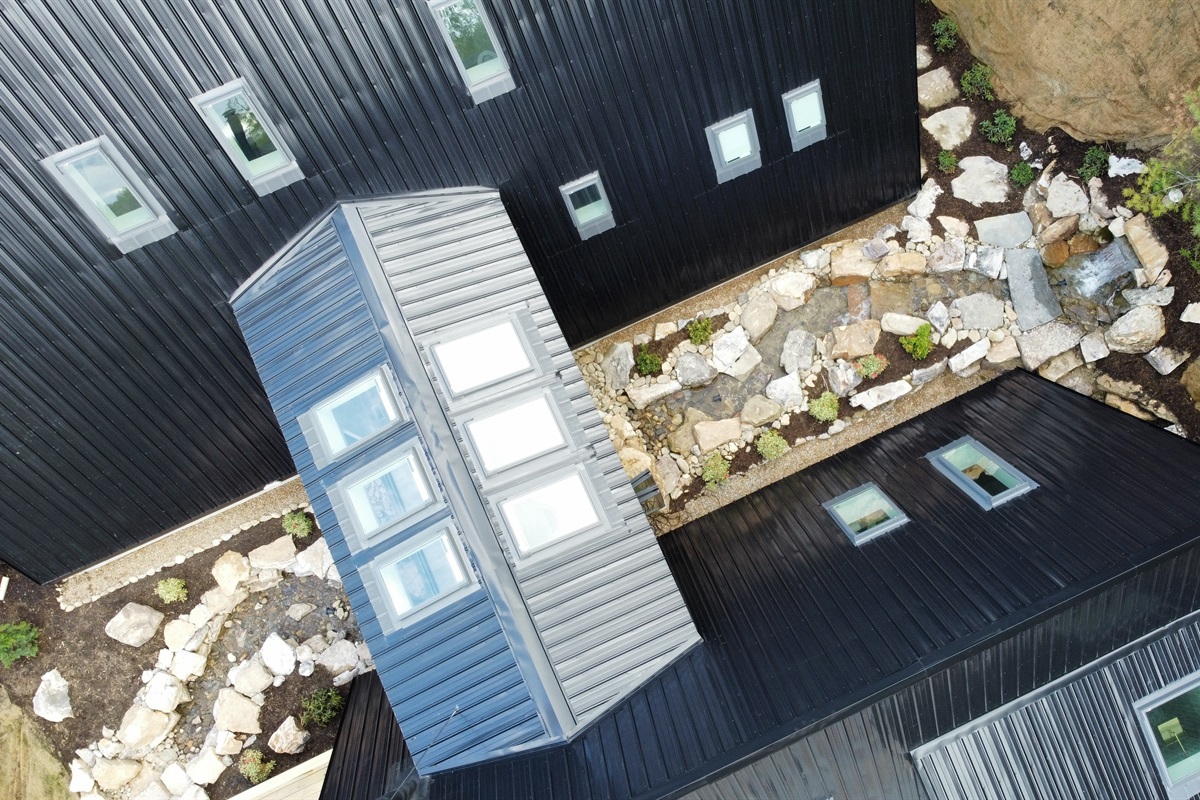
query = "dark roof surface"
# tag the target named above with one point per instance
(369, 748)
(800, 625)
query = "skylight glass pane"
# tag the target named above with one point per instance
(988, 475)
(549, 513)
(482, 357)
(806, 111)
(515, 434)
(422, 575)
(1175, 725)
(478, 54)
(239, 123)
(356, 414)
(735, 142)
(588, 203)
(865, 510)
(107, 190)
(389, 495)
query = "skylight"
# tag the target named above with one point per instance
(515, 434)
(482, 357)
(864, 513)
(549, 513)
(986, 478)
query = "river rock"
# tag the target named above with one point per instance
(1136, 331)
(790, 290)
(983, 180)
(236, 712)
(134, 624)
(759, 315)
(979, 311)
(1166, 360)
(711, 435)
(693, 369)
(289, 738)
(52, 700)
(950, 127)
(760, 410)
(1046, 341)
(798, 349)
(1006, 230)
(852, 341)
(787, 391)
(878, 395)
(902, 265)
(936, 88)
(616, 365)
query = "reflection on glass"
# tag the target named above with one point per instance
(107, 190)
(735, 142)
(515, 434)
(865, 510)
(483, 357)
(390, 495)
(357, 413)
(472, 44)
(549, 513)
(806, 112)
(423, 575)
(983, 471)
(241, 127)
(1176, 728)
(588, 203)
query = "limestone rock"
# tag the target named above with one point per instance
(790, 290)
(81, 777)
(165, 692)
(1130, 408)
(729, 347)
(1046, 341)
(52, 700)
(664, 329)
(634, 460)
(979, 311)
(925, 201)
(960, 361)
(186, 665)
(1059, 230)
(205, 768)
(878, 395)
(682, 439)
(134, 624)
(251, 677)
(666, 472)
(924, 56)
(815, 260)
(693, 369)
(787, 391)
(902, 324)
(1066, 197)
(798, 349)
(1006, 230)
(760, 410)
(142, 728)
(194, 792)
(111, 774)
(852, 341)
(938, 316)
(875, 249)
(983, 180)
(177, 633)
(279, 554)
(841, 377)
(902, 265)
(1003, 351)
(1079, 381)
(1152, 296)
(936, 88)
(642, 395)
(987, 261)
(154, 790)
(1060, 365)
(949, 256)
(342, 656)
(922, 375)
(230, 570)
(1150, 252)
(616, 365)
(1191, 381)
(1093, 347)
(759, 315)
(1166, 360)
(236, 712)
(918, 230)
(1137, 331)
(849, 265)
(1191, 313)
(711, 435)
(954, 226)
(950, 127)
(175, 779)
(289, 738)
(278, 656)
(1032, 297)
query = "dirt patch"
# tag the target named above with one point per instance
(900, 363)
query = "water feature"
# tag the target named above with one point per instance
(1097, 276)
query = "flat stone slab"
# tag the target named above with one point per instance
(711, 435)
(1166, 360)
(980, 311)
(643, 395)
(1046, 341)
(878, 395)
(960, 361)
(1152, 296)
(936, 88)
(278, 554)
(848, 264)
(760, 410)
(983, 180)
(792, 289)
(1006, 230)
(1032, 297)
(951, 127)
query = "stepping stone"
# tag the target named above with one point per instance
(983, 180)
(951, 127)
(1006, 230)
(980, 311)
(1046, 341)
(1029, 287)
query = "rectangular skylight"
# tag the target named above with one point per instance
(515, 434)
(984, 476)
(482, 357)
(549, 513)
(421, 575)
(1170, 722)
(389, 495)
(864, 513)
(356, 413)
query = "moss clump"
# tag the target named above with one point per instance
(716, 470)
(920, 344)
(770, 445)
(1021, 175)
(825, 408)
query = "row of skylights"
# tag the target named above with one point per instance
(866, 512)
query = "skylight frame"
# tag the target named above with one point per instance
(984, 499)
(861, 537)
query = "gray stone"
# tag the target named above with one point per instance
(341, 656)
(616, 365)
(759, 315)
(1093, 347)
(52, 700)
(983, 180)
(936, 88)
(1166, 360)
(205, 768)
(1119, 167)
(177, 633)
(926, 200)
(668, 475)
(729, 347)
(849, 265)
(1003, 351)
(1006, 230)
(878, 395)
(289, 738)
(1136, 331)
(111, 774)
(841, 377)
(1080, 381)
(1066, 197)
(902, 265)
(924, 56)
(900, 324)
(815, 260)
(278, 656)
(950, 127)
(954, 226)
(987, 261)
(798, 349)
(681, 439)
(938, 316)
(1191, 313)
(230, 570)
(711, 435)
(960, 361)
(980, 311)
(142, 728)
(922, 375)
(1060, 365)
(760, 410)
(315, 560)
(875, 249)
(787, 391)
(1152, 296)
(164, 692)
(235, 712)
(1046, 341)
(642, 395)
(279, 554)
(251, 677)
(918, 230)
(790, 290)
(1032, 297)
(298, 611)
(134, 624)
(852, 341)
(948, 256)
(693, 369)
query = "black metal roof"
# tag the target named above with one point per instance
(369, 752)
(801, 626)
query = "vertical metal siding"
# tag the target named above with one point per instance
(129, 403)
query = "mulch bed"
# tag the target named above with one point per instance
(900, 363)
(663, 347)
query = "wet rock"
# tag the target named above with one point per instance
(711, 435)
(878, 395)
(902, 265)
(1093, 347)
(950, 127)
(979, 311)
(791, 290)
(52, 700)
(1066, 197)
(983, 180)
(1166, 360)
(1152, 296)
(900, 324)
(798, 349)
(1046, 341)
(938, 316)
(849, 265)
(841, 377)
(759, 315)
(642, 395)
(236, 713)
(279, 554)
(949, 256)
(852, 341)
(787, 391)
(1006, 230)
(231, 570)
(616, 365)
(1082, 243)
(134, 624)
(1137, 331)
(1032, 297)
(759, 410)
(936, 88)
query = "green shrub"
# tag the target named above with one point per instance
(252, 766)
(870, 366)
(716, 470)
(945, 35)
(1192, 256)
(171, 590)
(1001, 128)
(770, 445)
(977, 83)
(1095, 163)
(297, 523)
(699, 330)
(1021, 175)
(825, 408)
(18, 640)
(648, 363)
(947, 161)
(321, 707)
(920, 344)
(1171, 182)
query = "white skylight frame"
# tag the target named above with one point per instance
(726, 134)
(804, 95)
(557, 438)
(1177, 789)
(347, 506)
(321, 442)
(152, 226)
(983, 498)
(483, 330)
(895, 518)
(480, 88)
(390, 613)
(558, 485)
(588, 226)
(268, 180)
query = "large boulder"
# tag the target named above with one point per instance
(142, 727)
(852, 341)
(236, 713)
(231, 570)
(758, 315)
(134, 625)
(791, 290)
(52, 700)
(1061, 64)
(616, 365)
(693, 369)
(1136, 331)
(279, 554)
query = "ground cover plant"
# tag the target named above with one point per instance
(18, 640)
(1095, 163)
(171, 590)
(824, 408)
(1000, 129)
(977, 83)
(1021, 175)
(870, 366)
(716, 470)
(700, 331)
(920, 344)
(945, 34)
(321, 707)
(947, 161)
(297, 524)
(770, 445)
(1171, 182)
(648, 363)
(253, 767)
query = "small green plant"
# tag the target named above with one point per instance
(947, 161)
(977, 83)
(171, 590)
(1192, 256)
(18, 640)
(699, 330)
(1171, 182)
(870, 366)
(825, 408)
(1000, 129)
(252, 766)
(945, 35)
(920, 344)
(321, 707)
(770, 445)
(648, 363)
(1021, 175)
(716, 470)
(297, 524)
(1095, 163)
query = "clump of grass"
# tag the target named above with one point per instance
(945, 35)
(825, 408)
(716, 470)
(648, 363)
(870, 366)
(977, 83)
(1021, 175)
(1192, 256)
(947, 162)
(1095, 163)
(699, 330)
(297, 524)
(171, 590)
(920, 344)
(1000, 129)
(770, 445)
